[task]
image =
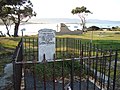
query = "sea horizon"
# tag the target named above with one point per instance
(33, 26)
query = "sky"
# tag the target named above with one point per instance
(101, 9)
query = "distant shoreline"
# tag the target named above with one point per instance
(67, 21)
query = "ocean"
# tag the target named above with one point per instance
(32, 29)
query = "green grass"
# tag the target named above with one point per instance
(7, 47)
(106, 39)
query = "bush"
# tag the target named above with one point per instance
(93, 28)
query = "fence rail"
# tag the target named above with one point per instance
(77, 65)
(17, 68)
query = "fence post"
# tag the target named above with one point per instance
(108, 86)
(72, 72)
(96, 63)
(54, 72)
(17, 69)
(115, 67)
(81, 64)
(44, 77)
(63, 74)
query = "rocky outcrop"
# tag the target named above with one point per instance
(65, 30)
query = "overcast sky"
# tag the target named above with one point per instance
(102, 9)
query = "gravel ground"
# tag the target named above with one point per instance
(58, 86)
(6, 78)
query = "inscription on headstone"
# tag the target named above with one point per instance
(46, 42)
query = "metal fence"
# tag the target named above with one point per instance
(77, 65)
(17, 68)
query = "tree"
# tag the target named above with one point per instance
(93, 28)
(3, 16)
(15, 12)
(82, 12)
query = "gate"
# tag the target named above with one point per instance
(77, 65)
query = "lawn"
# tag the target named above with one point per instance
(7, 47)
(106, 39)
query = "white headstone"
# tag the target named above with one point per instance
(46, 42)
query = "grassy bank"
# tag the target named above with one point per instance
(7, 47)
(106, 39)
